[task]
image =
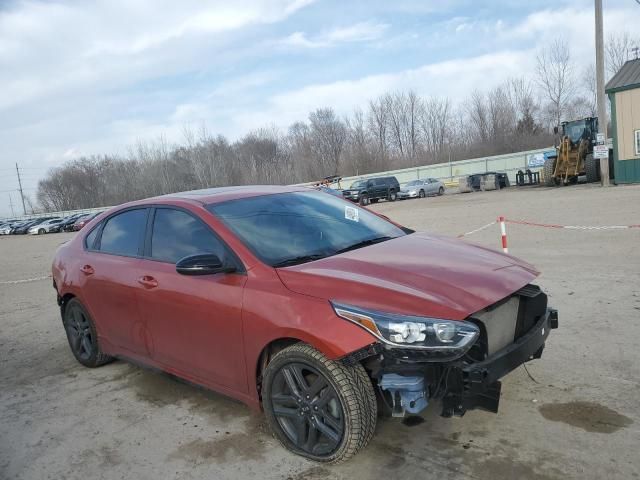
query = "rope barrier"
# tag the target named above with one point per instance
(571, 227)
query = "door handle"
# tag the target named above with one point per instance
(148, 281)
(87, 269)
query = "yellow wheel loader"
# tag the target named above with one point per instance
(574, 154)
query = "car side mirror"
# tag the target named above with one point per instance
(202, 264)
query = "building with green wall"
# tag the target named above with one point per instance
(624, 94)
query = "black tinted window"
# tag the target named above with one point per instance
(177, 234)
(123, 232)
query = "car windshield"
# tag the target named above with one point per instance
(413, 183)
(358, 184)
(290, 228)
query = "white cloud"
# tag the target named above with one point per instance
(46, 48)
(453, 78)
(358, 32)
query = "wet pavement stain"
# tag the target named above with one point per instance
(503, 467)
(161, 389)
(244, 446)
(412, 421)
(313, 473)
(589, 416)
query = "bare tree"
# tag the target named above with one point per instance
(378, 121)
(398, 129)
(618, 49)
(435, 127)
(328, 136)
(555, 77)
(361, 158)
(589, 86)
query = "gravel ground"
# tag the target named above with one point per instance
(577, 416)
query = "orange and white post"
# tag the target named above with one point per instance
(503, 232)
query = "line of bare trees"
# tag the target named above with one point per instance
(395, 130)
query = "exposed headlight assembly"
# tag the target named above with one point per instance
(446, 338)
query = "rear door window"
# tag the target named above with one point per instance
(177, 234)
(123, 233)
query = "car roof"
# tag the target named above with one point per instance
(222, 194)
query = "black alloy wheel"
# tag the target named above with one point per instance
(82, 335)
(307, 409)
(318, 408)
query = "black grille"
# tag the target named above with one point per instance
(532, 308)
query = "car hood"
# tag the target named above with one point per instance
(417, 274)
(408, 189)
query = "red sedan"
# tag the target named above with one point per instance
(82, 221)
(303, 304)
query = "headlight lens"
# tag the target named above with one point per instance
(445, 336)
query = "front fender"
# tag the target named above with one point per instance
(268, 317)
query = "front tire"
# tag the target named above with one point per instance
(547, 170)
(41, 231)
(591, 169)
(82, 335)
(393, 196)
(441, 191)
(421, 194)
(364, 199)
(318, 408)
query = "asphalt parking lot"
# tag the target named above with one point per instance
(576, 416)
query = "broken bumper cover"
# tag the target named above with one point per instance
(477, 385)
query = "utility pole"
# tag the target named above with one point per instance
(11, 205)
(24, 209)
(602, 109)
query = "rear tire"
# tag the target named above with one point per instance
(547, 170)
(82, 335)
(441, 191)
(591, 169)
(339, 418)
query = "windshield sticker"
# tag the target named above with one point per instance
(351, 213)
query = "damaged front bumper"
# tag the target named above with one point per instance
(477, 385)
(408, 380)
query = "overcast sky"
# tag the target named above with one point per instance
(89, 77)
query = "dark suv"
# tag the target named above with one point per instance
(370, 190)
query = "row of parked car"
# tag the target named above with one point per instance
(42, 225)
(371, 190)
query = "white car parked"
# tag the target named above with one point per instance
(421, 188)
(48, 226)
